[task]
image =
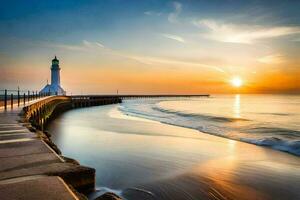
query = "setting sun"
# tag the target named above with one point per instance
(237, 82)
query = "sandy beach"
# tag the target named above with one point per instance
(144, 159)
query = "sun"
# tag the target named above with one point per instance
(237, 82)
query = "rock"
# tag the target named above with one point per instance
(78, 194)
(108, 196)
(70, 160)
(80, 177)
(47, 134)
(31, 129)
(52, 146)
(44, 136)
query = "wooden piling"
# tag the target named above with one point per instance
(18, 97)
(11, 101)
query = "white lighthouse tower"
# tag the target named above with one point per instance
(55, 72)
(54, 88)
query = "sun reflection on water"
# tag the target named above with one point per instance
(237, 106)
(231, 144)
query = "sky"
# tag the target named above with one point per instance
(152, 46)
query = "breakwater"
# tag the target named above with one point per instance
(38, 114)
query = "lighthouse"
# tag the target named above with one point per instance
(55, 72)
(54, 88)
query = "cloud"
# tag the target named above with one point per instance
(233, 33)
(92, 44)
(99, 44)
(272, 59)
(177, 10)
(87, 43)
(94, 47)
(174, 37)
(85, 46)
(152, 13)
(156, 60)
(64, 46)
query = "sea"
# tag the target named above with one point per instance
(219, 147)
(266, 120)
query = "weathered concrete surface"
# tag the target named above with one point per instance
(24, 154)
(52, 188)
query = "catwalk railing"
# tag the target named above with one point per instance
(18, 97)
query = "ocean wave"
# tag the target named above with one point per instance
(274, 130)
(138, 113)
(207, 117)
(276, 114)
(263, 134)
(277, 143)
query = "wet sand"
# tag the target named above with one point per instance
(143, 159)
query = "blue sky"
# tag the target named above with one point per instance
(53, 20)
(221, 39)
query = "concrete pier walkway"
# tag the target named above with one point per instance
(29, 168)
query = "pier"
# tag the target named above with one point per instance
(30, 168)
(31, 164)
(145, 96)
